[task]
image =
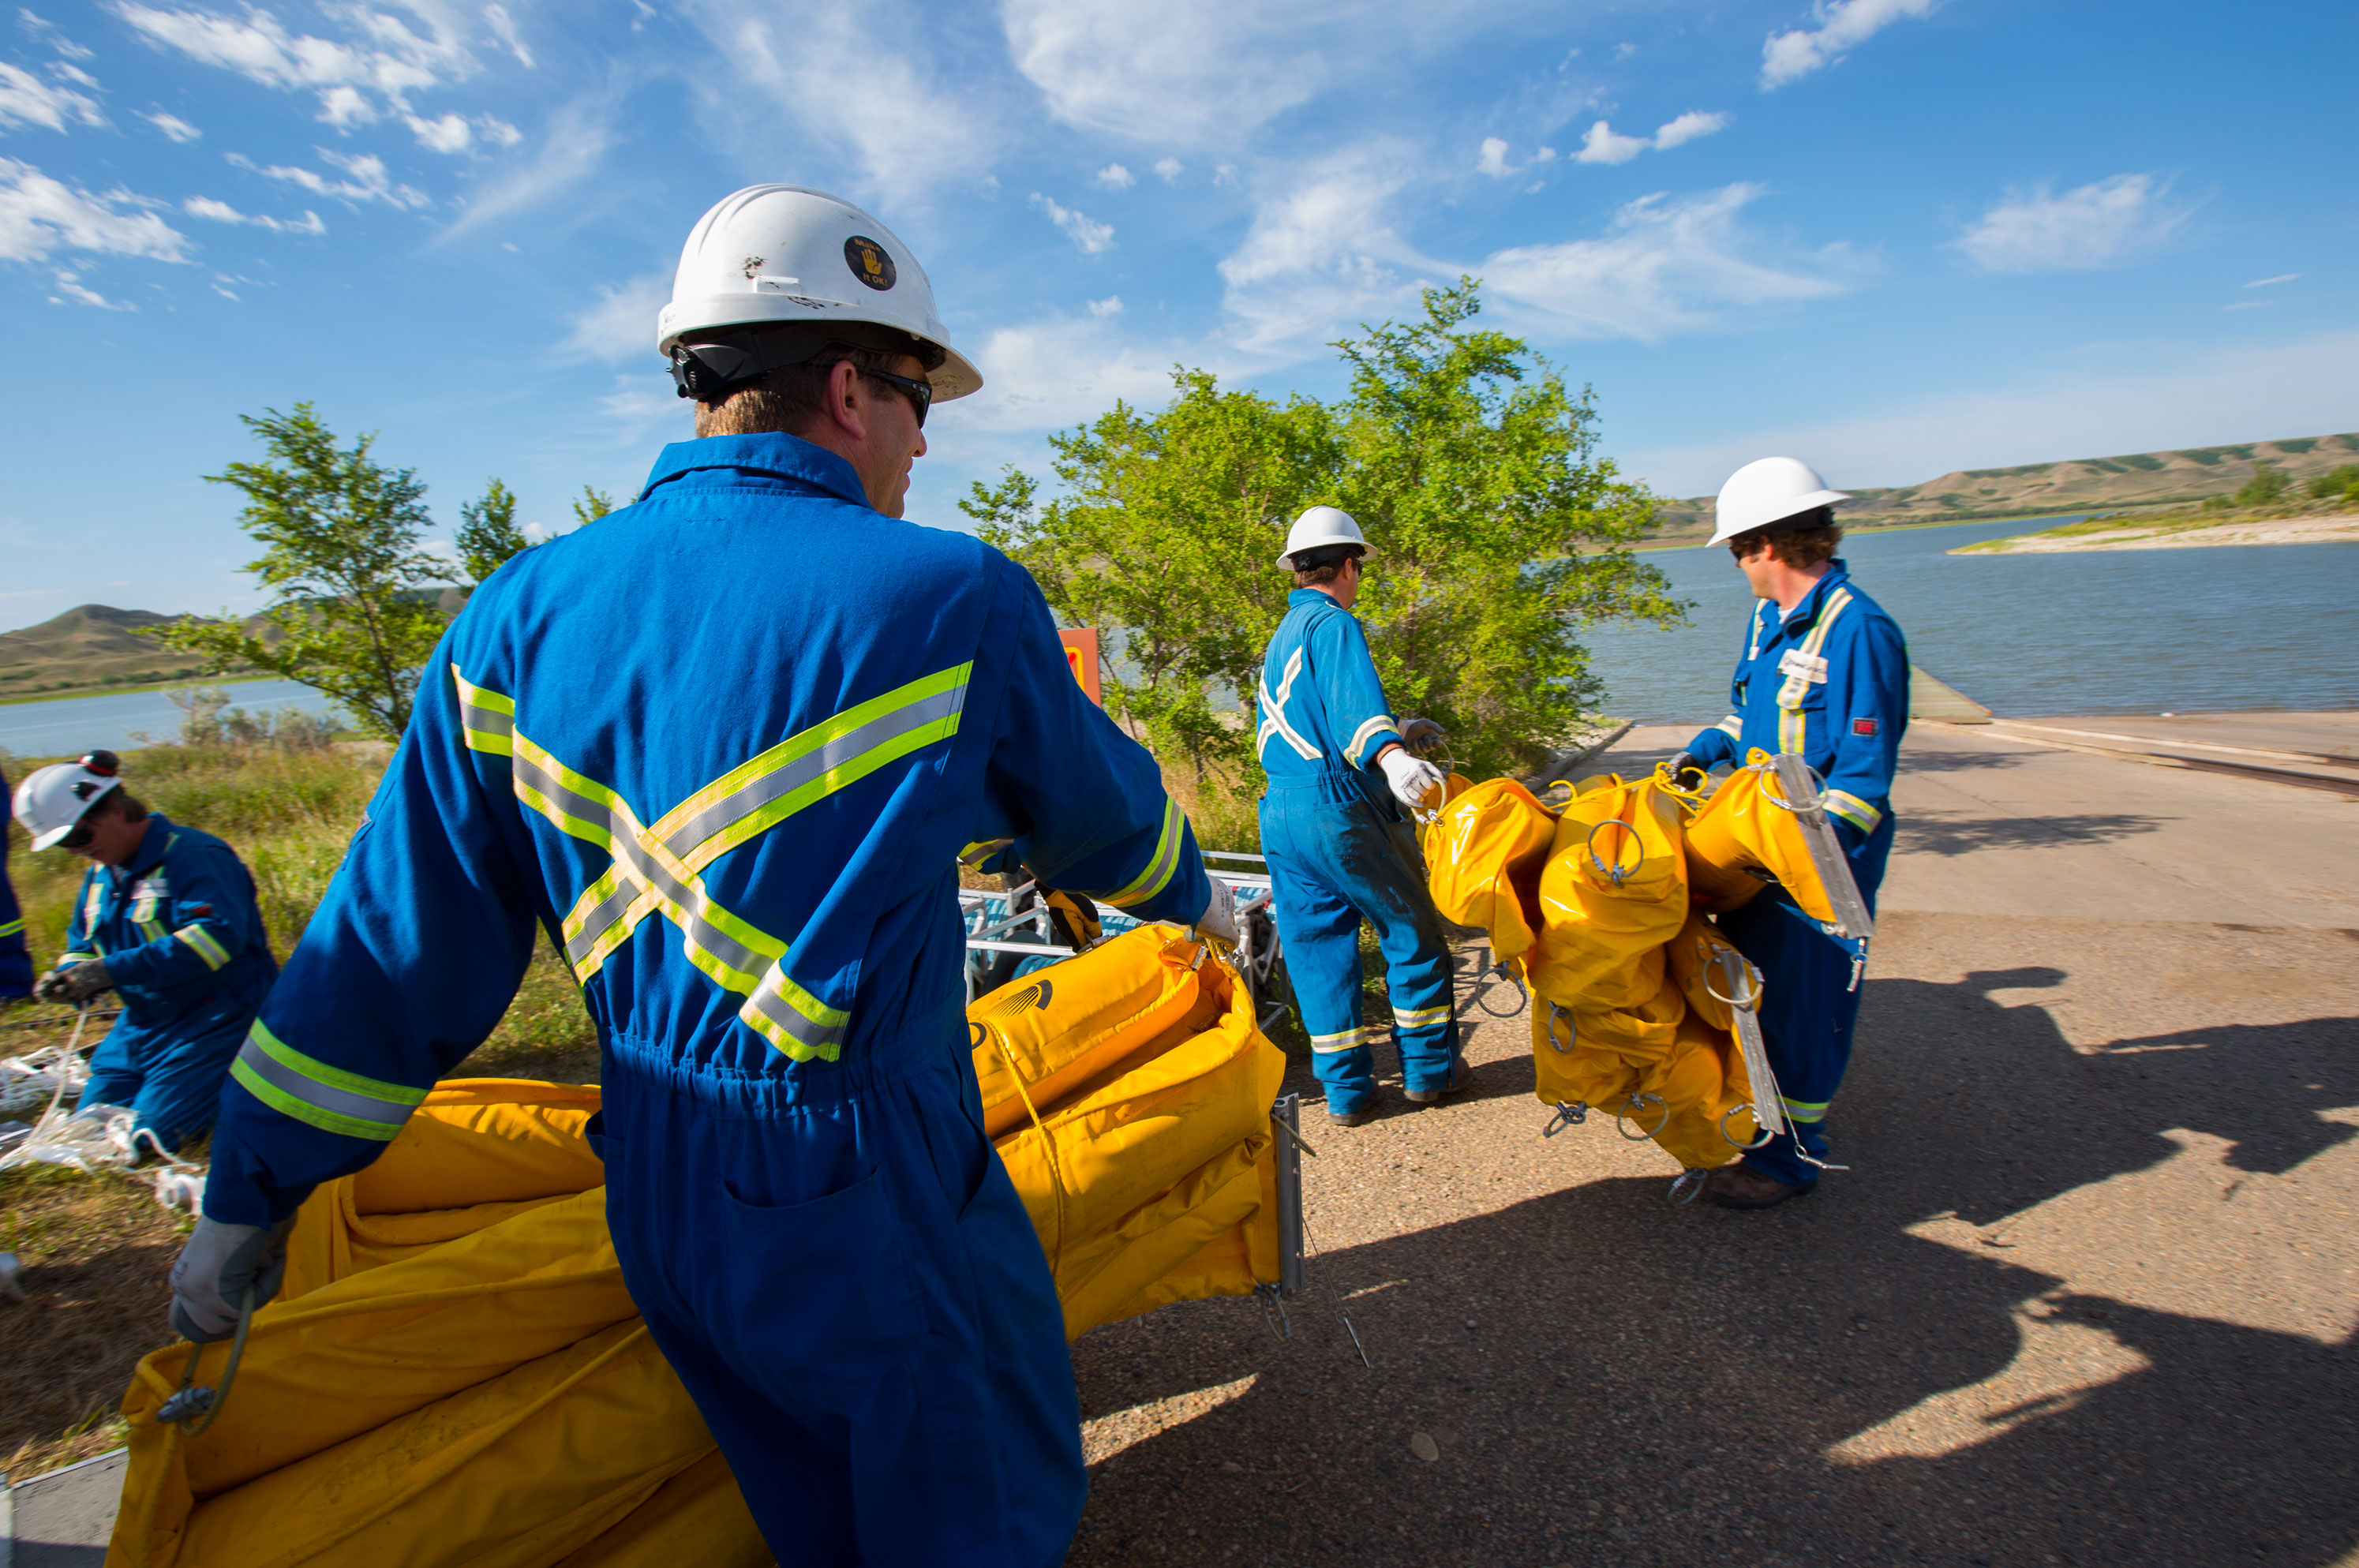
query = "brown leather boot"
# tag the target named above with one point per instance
(1738, 1186)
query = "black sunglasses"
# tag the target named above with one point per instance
(921, 394)
(81, 836)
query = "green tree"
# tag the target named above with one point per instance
(2335, 483)
(1497, 536)
(2266, 487)
(352, 613)
(488, 534)
(593, 505)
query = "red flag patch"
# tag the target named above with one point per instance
(1862, 727)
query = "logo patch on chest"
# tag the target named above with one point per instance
(1862, 727)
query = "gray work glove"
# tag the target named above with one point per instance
(1686, 769)
(210, 1277)
(1219, 919)
(75, 984)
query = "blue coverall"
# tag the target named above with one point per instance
(177, 929)
(15, 961)
(725, 746)
(1829, 682)
(1340, 850)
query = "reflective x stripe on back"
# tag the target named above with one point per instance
(1791, 723)
(1273, 710)
(656, 869)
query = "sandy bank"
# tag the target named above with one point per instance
(2278, 531)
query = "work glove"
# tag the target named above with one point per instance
(1074, 918)
(1417, 782)
(1219, 919)
(75, 984)
(1686, 771)
(210, 1277)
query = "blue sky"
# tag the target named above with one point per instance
(1894, 237)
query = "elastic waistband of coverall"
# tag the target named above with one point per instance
(1333, 783)
(784, 1087)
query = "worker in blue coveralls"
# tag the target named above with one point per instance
(16, 959)
(1826, 673)
(166, 919)
(1336, 831)
(725, 748)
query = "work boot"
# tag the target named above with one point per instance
(1459, 1076)
(1739, 1186)
(1360, 1118)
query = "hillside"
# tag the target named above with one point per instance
(91, 645)
(2079, 485)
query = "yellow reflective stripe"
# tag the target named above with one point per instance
(1157, 874)
(486, 719)
(1328, 1044)
(13, 927)
(1793, 728)
(79, 958)
(976, 853)
(1806, 1110)
(1853, 810)
(794, 1020)
(1368, 732)
(1423, 1018)
(1732, 726)
(201, 941)
(326, 1098)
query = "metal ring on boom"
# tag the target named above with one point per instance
(1494, 975)
(1614, 872)
(1816, 779)
(1749, 1003)
(1566, 1115)
(1562, 1049)
(1635, 1103)
(1761, 1142)
(1693, 1179)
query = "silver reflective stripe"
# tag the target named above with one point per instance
(312, 1091)
(599, 919)
(771, 1014)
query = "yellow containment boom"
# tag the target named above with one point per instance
(454, 1371)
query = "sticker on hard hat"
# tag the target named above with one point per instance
(868, 262)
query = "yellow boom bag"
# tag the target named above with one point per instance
(1742, 829)
(1482, 859)
(1677, 1096)
(1613, 891)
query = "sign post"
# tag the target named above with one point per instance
(1081, 659)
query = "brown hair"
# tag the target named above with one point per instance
(788, 399)
(128, 806)
(1817, 538)
(1330, 559)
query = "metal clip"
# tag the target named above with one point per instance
(1693, 1179)
(1566, 1115)
(1292, 1136)
(1858, 967)
(1631, 1107)
(1273, 1310)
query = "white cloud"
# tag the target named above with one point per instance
(70, 288)
(850, 74)
(39, 216)
(1115, 177)
(450, 134)
(1599, 144)
(1843, 27)
(27, 100)
(43, 29)
(2267, 282)
(1666, 265)
(2100, 225)
(498, 131)
(620, 324)
(504, 27)
(387, 57)
(365, 178)
(1323, 252)
(216, 212)
(1169, 169)
(571, 147)
(1085, 231)
(172, 125)
(1056, 372)
(2145, 398)
(73, 73)
(2249, 305)
(1686, 128)
(1493, 160)
(1109, 306)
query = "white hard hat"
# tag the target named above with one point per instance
(786, 254)
(1767, 490)
(1320, 525)
(52, 800)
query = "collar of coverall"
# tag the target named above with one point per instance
(150, 852)
(1808, 610)
(723, 459)
(1310, 596)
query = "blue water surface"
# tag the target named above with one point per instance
(71, 726)
(2207, 630)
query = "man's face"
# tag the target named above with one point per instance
(1757, 562)
(896, 440)
(112, 841)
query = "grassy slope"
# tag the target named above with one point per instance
(2157, 479)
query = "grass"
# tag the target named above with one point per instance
(191, 678)
(2152, 524)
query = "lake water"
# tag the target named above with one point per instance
(71, 726)
(2192, 630)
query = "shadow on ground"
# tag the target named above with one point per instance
(1607, 1378)
(1950, 834)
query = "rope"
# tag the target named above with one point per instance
(194, 1410)
(1055, 1176)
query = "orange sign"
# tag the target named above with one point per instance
(1081, 659)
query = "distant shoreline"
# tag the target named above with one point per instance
(1851, 527)
(2339, 529)
(127, 691)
